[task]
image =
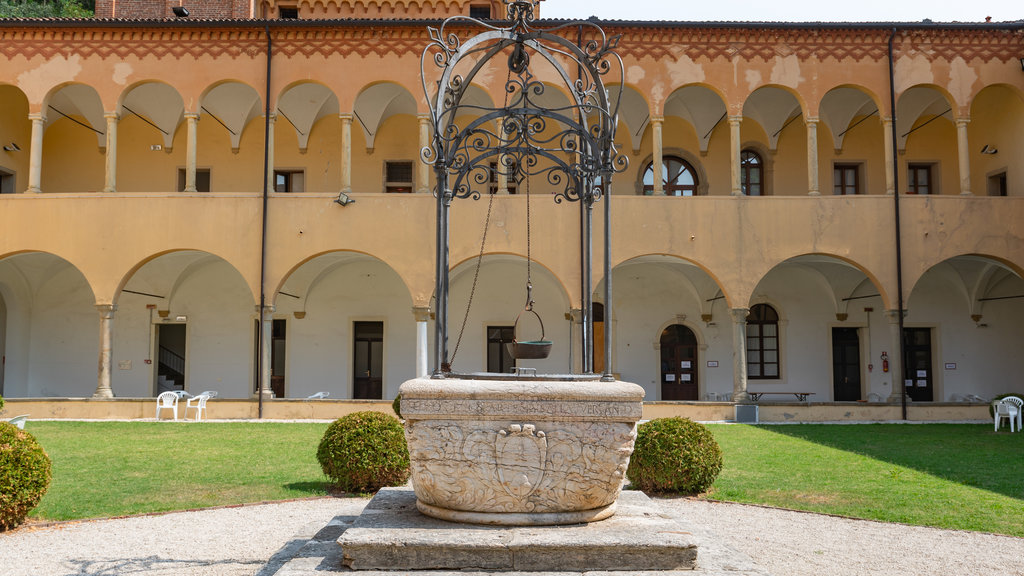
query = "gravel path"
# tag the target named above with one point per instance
(256, 540)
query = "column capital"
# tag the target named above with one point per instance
(657, 119)
(424, 117)
(37, 117)
(739, 314)
(893, 316)
(345, 117)
(106, 309)
(963, 120)
(111, 116)
(735, 118)
(192, 116)
(264, 310)
(421, 313)
(809, 120)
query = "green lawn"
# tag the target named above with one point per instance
(953, 476)
(961, 476)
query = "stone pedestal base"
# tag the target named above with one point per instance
(391, 534)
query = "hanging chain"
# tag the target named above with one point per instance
(529, 258)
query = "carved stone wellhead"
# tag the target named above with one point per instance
(519, 452)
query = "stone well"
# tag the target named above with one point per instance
(506, 450)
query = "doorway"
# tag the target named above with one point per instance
(170, 363)
(368, 360)
(278, 347)
(845, 364)
(597, 315)
(499, 359)
(678, 363)
(917, 364)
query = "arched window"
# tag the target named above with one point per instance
(680, 179)
(762, 343)
(751, 173)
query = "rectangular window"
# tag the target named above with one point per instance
(288, 12)
(6, 182)
(289, 181)
(499, 359)
(202, 180)
(398, 176)
(919, 179)
(846, 179)
(762, 351)
(997, 184)
(368, 360)
(481, 12)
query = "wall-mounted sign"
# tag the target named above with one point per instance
(684, 364)
(712, 363)
(670, 377)
(922, 373)
(685, 377)
(950, 365)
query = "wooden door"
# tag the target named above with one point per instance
(845, 365)
(678, 363)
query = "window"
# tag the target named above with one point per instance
(751, 173)
(202, 180)
(846, 179)
(499, 359)
(288, 12)
(919, 179)
(289, 181)
(493, 187)
(6, 182)
(398, 176)
(997, 184)
(481, 12)
(680, 179)
(762, 343)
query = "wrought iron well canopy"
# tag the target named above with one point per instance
(569, 146)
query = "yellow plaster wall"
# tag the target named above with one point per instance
(140, 169)
(15, 127)
(997, 120)
(934, 143)
(72, 159)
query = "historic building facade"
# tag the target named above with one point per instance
(755, 241)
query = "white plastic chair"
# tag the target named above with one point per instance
(208, 393)
(169, 401)
(1008, 410)
(711, 397)
(318, 395)
(1019, 403)
(873, 397)
(182, 394)
(19, 421)
(198, 403)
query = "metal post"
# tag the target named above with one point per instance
(606, 181)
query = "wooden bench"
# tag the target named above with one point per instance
(800, 396)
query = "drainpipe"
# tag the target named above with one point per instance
(899, 242)
(263, 231)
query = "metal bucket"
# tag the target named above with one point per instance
(529, 349)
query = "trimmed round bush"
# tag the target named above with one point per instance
(364, 451)
(674, 455)
(24, 475)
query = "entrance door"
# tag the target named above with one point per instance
(917, 365)
(678, 363)
(277, 356)
(845, 365)
(170, 363)
(597, 362)
(368, 360)
(499, 360)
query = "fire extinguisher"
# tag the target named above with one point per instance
(885, 362)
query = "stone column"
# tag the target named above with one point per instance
(270, 153)
(192, 120)
(739, 354)
(422, 316)
(895, 360)
(346, 153)
(658, 164)
(422, 169)
(35, 156)
(110, 182)
(736, 154)
(890, 166)
(812, 157)
(963, 154)
(103, 389)
(267, 325)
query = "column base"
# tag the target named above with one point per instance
(894, 399)
(267, 394)
(103, 393)
(741, 398)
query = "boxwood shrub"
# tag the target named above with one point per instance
(24, 475)
(674, 455)
(364, 451)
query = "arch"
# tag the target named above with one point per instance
(303, 104)
(290, 275)
(919, 101)
(838, 275)
(773, 107)
(841, 105)
(699, 104)
(186, 259)
(378, 102)
(233, 104)
(634, 111)
(158, 103)
(460, 267)
(78, 102)
(703, 292)
(974, 276)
